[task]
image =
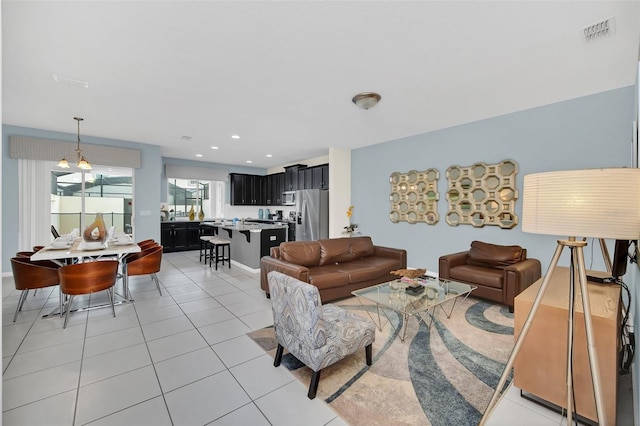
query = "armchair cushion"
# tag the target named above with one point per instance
(494, 256)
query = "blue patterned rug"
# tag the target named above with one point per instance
(443, 375)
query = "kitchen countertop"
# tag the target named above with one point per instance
(248, 226)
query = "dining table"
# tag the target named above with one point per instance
(79, 250)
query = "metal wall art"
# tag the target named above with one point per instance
(483, 194)
(414, 197)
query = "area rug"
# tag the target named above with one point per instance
(440, 375)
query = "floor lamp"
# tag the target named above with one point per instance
(598, 203)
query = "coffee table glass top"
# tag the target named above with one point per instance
(430, 293)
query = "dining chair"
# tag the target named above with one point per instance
(32, 275)
(25, 253)
(147, 262)
(147, 244)
(87, 278)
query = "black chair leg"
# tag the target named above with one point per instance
(278, 357)
(367, 351)
(313, 386)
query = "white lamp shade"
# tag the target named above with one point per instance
(594, 203)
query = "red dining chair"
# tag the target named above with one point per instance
(32, 275)
(87, 278)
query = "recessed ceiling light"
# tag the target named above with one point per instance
(235, 137)
(269, 155)
(198, 155)
(214, 147)
(249, 161)
(186, 138)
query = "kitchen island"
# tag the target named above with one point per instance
(249, 241)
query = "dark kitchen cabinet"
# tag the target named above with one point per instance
(305, 178)
(320, 177)
(274, 189)
(180, 236)
(247, 190)
(291, 176)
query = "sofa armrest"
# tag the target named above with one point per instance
(394, 253)
(268, 264)
(518, 277)
(448, 261)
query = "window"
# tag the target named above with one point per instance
(106, 190)
(185, 194)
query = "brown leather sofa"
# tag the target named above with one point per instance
(337, 266)
(499, 272)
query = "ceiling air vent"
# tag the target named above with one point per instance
(599, 30)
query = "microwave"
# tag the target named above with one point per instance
(289, 198)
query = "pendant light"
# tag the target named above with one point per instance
(81, 162)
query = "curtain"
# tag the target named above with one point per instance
(34, 210)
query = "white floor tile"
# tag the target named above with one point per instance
(159, 329)
(258, 320)
(188, 368)
(176, 344)
(116, 393)
(237, 350)
(314, 411)
(42, 359)
(271, 378)
(245, 415)
(111, 324)
(232, 298)
(249, 306)
(148, 413)
(148, 316)
(55, 410)
(57, 336)
(210, 316)
(206, 400)
(112, 341)
(199, 305)
(39, 385)
(225, 330)
(113, 363)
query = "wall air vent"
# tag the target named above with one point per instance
(599, 30)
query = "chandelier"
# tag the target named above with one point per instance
(81, 162)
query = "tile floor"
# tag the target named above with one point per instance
(182, 358)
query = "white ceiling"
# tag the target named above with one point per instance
(282, 74)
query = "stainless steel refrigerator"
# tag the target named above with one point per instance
(312, 214)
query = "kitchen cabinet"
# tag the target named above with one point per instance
(291, 176)
(320, 177)
(247, 190)
(274, 189)
(180, 236)
(305, 178)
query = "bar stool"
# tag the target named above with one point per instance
(205, 247)
(216, 243)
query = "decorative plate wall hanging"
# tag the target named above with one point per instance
(414, 196)
(483, 194)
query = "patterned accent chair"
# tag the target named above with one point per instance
(317, 335)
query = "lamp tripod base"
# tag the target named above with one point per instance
(577, 268)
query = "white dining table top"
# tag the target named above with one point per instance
(77, 250)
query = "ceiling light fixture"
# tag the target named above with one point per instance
(214, 147)
(198, 155)
(235, 137)
(366, 100)
(81, 162)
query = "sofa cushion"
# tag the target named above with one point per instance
(340, 250)
(334, 250)
(477, 275)
(327, 276)
(304, 253)
(494, 256)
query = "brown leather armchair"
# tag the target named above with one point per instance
(500, 273)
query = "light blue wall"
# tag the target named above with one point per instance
(588, 132)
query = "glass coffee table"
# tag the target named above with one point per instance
(430, 294)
